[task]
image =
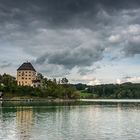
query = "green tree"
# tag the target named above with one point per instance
(64, 81)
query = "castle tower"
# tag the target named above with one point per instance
(26, 74)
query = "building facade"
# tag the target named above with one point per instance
(26, 74)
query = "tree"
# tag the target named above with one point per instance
(54, 80)
(64, 81)
(40, 76)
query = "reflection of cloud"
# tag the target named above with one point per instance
(24, 121)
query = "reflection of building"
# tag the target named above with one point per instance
(26, 74)
(24, 117)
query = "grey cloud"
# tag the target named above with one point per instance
(69, 33)
(5, 64)
(88, 70)
(128, 39)
(133, 48)
(52, 70)
(133, 79)
(40, 60)
(54, 13)
(81, 56)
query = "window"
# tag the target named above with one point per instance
(22, 77)
(22, 73)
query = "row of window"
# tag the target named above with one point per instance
(22, 82)
(24, 72)
(26, 75)
(25, 78)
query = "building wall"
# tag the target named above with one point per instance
(25, 77)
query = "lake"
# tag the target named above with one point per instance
(81, 120)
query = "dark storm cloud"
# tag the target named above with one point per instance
(70, 33)
(81, 56)
(129, 40)
(133, 48)
(59, 12)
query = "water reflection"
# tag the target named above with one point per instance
(83, 121)
(24, 118)
(0, 103)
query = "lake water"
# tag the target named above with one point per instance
(70, 121)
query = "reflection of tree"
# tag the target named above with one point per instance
(24, 118)
(0, 103)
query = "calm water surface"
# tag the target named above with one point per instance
(70, 121)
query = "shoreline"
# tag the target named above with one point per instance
(112, 100)
(69, 100)
(38, 100)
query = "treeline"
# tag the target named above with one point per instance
(62, 89)
(110, 91)
(48, 89)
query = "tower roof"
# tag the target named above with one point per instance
(26, 66)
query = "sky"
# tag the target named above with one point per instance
(86, 41)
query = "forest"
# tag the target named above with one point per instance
(110, 91)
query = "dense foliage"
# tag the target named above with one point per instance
(112, 91)
(48, 88)
(61, 89)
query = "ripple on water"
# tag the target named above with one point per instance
(84, 122)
